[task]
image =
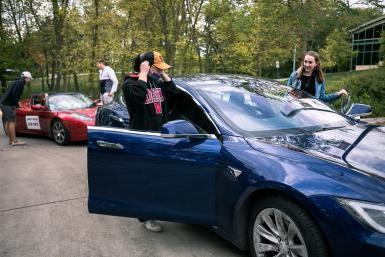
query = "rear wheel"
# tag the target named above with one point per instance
(59, 133)
(281, 228)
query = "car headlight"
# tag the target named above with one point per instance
(372, 214)
(80, 117)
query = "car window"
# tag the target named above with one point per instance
(185, 108)
(70, 101)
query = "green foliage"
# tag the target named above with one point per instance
(382, 48)
(367, 87)
(338, 50)
(60, 40)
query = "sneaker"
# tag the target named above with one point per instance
(17, 142)
(152, 225)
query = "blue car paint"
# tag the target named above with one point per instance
(307, 169)
(177, 164)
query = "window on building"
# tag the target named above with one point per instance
(376, 58)
(360, 48)
(368, 47)
(360, 58)
(377, 31)
(361, 35)
(367, 58)
(369, 33)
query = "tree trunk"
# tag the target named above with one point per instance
(76, 84)
(95, 41)
(59, 16)
(65, 82)
(57, 82)
(53, 74)
(15, 16)
(42, 80)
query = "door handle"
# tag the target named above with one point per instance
(109, 145)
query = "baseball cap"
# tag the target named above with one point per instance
(153, 57)
(26, 74)
(159, 62)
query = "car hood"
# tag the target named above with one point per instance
(360, 146)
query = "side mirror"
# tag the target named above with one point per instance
(38, 107)
(179, 129)
(359, 110)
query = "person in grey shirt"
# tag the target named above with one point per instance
(108, 81)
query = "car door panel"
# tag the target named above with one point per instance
(149, 176)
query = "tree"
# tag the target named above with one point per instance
(338, 51)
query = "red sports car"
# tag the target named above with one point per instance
(61, 116)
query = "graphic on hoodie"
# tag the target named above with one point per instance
(155, 96)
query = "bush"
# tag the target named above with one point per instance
(367, 88)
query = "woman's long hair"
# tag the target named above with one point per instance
(317, 69)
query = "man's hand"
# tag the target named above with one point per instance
(144, 69)
(343, 92)
(165, 77)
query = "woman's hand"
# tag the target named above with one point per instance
(342, 92)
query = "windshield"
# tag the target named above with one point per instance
(68, 102)
(263, 108)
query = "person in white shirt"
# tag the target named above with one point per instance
(108, 81)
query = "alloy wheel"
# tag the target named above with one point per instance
(58, 132)
(276, 235)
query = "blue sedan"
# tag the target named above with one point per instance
(264, 166)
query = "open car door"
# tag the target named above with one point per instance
(151, 176)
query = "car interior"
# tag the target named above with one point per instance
(184, 108)
(38, 100)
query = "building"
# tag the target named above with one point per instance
(366, 41)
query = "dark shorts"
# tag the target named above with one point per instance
(9, 113)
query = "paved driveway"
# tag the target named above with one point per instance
(43, 212)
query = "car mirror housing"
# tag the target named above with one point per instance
(359, 110)
(178, 128)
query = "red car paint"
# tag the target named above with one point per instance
(76, 128)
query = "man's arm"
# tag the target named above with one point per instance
(135, 91)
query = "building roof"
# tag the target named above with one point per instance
(369, 24)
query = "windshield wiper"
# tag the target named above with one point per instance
(328, 128)
(294, 111)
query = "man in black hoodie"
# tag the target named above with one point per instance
(149, 95)
(8, 104)
(147, 98)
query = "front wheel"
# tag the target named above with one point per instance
(279, 227)
(59, 133)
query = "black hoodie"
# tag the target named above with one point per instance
(148, 103)
(12, 95)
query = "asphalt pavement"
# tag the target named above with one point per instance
(43, 212)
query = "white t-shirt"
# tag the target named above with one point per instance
(108, 73)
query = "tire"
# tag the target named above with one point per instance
(267, 238)
(59, 133)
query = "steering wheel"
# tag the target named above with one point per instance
(345, 103)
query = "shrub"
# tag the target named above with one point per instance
(367, 88)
